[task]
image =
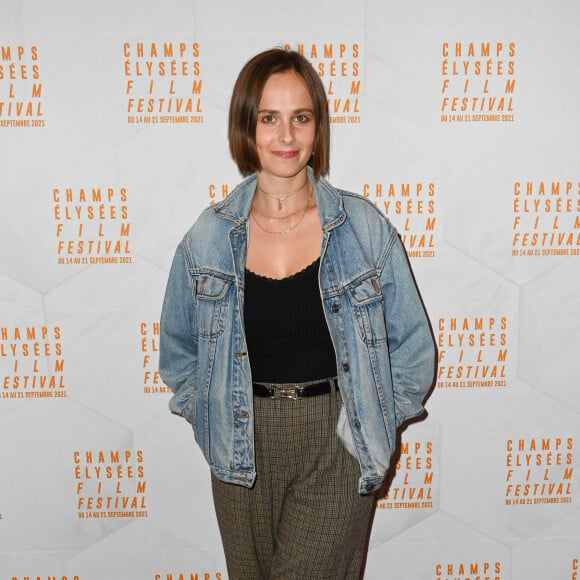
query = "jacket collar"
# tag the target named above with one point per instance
(236, 207)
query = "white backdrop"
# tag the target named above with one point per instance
(460, 119)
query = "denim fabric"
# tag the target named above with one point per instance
(384, 347)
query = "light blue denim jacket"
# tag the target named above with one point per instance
(384, 347)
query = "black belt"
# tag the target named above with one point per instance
(295, 390)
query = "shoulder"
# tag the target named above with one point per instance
(361, 211)
(203, 228)
(216, 220)
(363, 226)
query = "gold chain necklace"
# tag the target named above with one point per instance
(288, 229)
(284, 197)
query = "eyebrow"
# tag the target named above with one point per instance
(305, 110)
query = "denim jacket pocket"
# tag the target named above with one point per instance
(210, 304)
(366, 301)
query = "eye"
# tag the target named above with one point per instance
(302, 118)
(268, 119)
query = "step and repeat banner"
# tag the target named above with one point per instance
(459, 119)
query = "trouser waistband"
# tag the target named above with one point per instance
(295, 390)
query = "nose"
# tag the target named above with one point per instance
(286, 135)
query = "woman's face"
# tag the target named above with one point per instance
(285, 128)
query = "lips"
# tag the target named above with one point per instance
(285, 154)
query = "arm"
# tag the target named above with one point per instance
(411, 346)
(178, 341)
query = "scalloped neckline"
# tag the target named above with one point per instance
(290, 277)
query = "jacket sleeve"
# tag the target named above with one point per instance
(411, 344)
(178, 340)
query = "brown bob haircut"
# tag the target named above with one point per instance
(246, 100)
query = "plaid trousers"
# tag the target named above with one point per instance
(303, 518)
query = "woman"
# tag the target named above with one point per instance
(293, 338)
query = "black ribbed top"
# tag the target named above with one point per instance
(286, 331)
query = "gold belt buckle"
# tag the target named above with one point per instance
(286, 393)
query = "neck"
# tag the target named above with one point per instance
(281, 185)
(283, 197)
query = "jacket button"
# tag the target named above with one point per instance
(357, 423)
(335, 307)
(369, 487)
(346, 367)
